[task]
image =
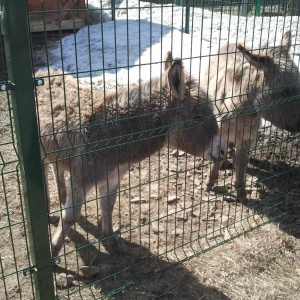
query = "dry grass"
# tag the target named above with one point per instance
(258, 265)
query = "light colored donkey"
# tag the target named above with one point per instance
(95, 139)
(245, 86)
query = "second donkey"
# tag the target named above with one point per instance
(246, 86)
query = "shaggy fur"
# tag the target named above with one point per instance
(245, 87)
(95, 138)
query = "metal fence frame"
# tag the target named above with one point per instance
(17, 47)
(21, 86)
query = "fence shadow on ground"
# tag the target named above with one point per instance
(177, 282)
(283, 178)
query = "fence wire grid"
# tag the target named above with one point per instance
(141, 103)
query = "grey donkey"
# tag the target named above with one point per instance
(242, 82)
(95, 139)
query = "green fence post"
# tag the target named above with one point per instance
(257, 7)
(17, 45)
(187, 19)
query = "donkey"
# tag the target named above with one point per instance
(242, 82)
(97, 138)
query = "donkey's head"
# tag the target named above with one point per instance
(281, 75)
(268, 54)
(281, 81)
(195, 129)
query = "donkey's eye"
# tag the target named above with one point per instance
(198, 118)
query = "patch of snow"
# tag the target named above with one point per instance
(131, 48)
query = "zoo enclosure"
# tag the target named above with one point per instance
(36, 261)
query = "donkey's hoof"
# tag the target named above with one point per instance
(55, 250)
(115, 245)
(207, 187)
(241, 195)
(53, 220)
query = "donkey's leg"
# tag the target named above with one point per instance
(240, 162)
(108, 196)
(51, 219)
(60, 183)
(46, 180)
(245, 140)
(212, 176)
(70, 214)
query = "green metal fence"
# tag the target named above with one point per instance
(243, 7)
(162, 213)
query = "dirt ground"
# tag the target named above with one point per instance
(165, 218)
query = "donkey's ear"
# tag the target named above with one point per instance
(253, 59)
(168, 60)
(286, 41)
(177, 79)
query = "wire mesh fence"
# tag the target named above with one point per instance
(13, 224)
(243, 7)
(123, 125)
